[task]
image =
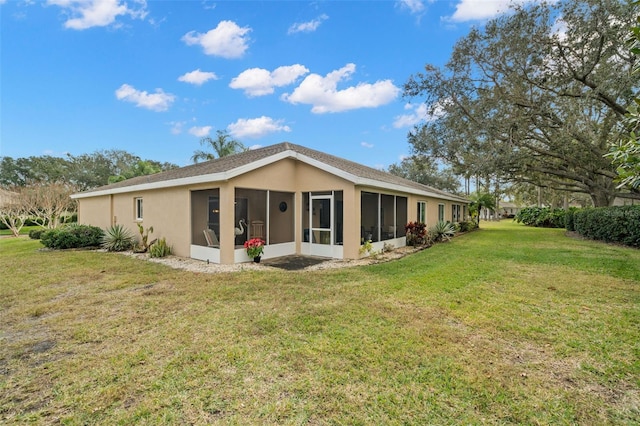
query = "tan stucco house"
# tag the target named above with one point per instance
(300, 201)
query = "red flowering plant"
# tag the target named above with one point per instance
(416, 233)
(254, 247)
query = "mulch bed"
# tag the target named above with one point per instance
(294, 263)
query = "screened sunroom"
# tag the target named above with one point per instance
(268, 215)
(383, 218)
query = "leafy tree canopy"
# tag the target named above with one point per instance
(84, 172)
(537, 95)
(424, 170)
(626, 153)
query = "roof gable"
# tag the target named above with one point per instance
(225, 168)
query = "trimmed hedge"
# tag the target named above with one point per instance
(569, 219)
(620, 224)
(542, 217)
(72, 236)
(36, 234)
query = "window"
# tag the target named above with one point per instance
(422, 211)
(455, 213)
(138, 207)
(440, 212)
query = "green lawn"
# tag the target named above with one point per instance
(24, 231)
(507, 325)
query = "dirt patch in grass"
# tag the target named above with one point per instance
(294, 263)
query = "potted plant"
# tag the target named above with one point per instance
(254, 247)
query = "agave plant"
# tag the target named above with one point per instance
(442, 231)
(117, 238)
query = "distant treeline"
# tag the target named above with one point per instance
(84, 171)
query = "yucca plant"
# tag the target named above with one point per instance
(442, 231)
(117, 238)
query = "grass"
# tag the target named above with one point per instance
(23, 231)
(508, 325)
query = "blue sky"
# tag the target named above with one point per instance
(153, 77)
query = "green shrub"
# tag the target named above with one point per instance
(69, 218)
(367, 248)
(117, 238)
(467, 225)
(569, 219)
(541, 217)
(442, 231)
(36, 234)
(619, 224)
(72, 236)
(160, 249)
(416, 233)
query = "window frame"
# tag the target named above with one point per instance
(422, 212)
(441, 212)
(455, 213)
(138, 209)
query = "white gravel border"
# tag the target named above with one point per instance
(193, 265)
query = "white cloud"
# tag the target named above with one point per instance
(417, 114)
(473, 10)
(323, 94)
(256, 127)
(560, 29)
(366, 144)
(200, 131)
(97, 13)
(307, 27)
(176, 127)
(227, 40)
(259, 82)
(208, 6)
(197, 77)
(414, 6)
(158, 101)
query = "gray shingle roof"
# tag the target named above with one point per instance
(232, 162)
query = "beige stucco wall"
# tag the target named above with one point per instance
(166, 210)
(169, 210)
(95, 211)
(432, 209)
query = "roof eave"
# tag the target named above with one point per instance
(227, 175)
(191, 180)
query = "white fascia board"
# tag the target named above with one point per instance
(370, 182)
(224, 176)
(191, 180)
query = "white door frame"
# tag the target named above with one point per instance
(316, 247)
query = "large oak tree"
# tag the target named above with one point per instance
(538, 95)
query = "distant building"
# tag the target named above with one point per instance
(507, 209)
